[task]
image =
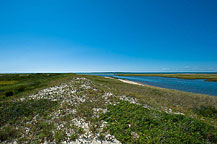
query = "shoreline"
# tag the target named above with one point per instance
(140, 84)
(135, 83)
(146, 85)
(205, 77)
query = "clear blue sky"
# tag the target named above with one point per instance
(108, 35)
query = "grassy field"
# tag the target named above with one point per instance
(15, 84)
(84, 108)
(207, 77)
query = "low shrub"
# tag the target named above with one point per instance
(131, 123)
(8, 132)
(9, 93)
(10, 112)
(21, 89)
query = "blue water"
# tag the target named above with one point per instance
(196, 86)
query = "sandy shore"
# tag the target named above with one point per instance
(137, 83)
(131, 82)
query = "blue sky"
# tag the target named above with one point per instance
(108, 35)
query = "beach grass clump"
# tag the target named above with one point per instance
(59, 136)
(131, 123)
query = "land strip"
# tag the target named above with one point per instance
(75, 108)
(207, 77)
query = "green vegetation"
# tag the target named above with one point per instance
(67, 107)
(158, 98)
(207, 77)
(12, 111)
(131, 123)
(7, 82)
(9, 132)
(15, 84)
(59, 135)
(206, 111)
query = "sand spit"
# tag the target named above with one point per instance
(131, 82)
